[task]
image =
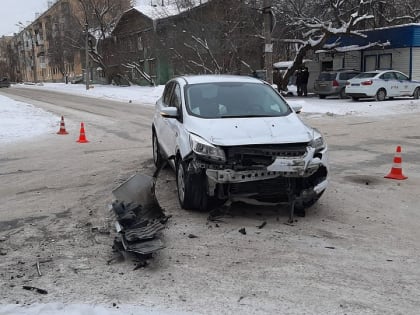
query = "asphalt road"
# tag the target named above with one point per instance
(356, 251)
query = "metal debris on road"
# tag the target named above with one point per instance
(37, 290)
(262, 225)
(38, 269)
(139, 217)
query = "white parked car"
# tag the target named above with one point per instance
(235, 138)
(382, 84)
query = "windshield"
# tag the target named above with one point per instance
(238, 99)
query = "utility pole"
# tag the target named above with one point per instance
(268, 47)
(35, 70)
(87, 55)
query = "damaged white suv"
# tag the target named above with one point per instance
(235, 138)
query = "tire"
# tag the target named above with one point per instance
(354, 98)
(157, 155)
(380, 95)
(322, 96)
(191, 188)
(300, 209)
(343, 94)
(416, 93)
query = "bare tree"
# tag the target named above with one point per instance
(218, 37)
(308, 26)
(100, 16)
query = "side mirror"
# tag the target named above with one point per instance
(297, 109)
(169, 112)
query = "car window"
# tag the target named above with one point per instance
(387, 76)
(347, 75)
(401, 76)
(167, 93)
(233, 99)
(327, 76)
(176, 97)
(365, 75)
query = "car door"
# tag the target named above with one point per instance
(160, 122)
(406, 87)
(169, 127)
(390, 83)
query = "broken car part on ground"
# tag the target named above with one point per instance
(139, 217)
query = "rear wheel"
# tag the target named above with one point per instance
(380, 95)
(322, 96)
(354, 98)
(416, 93)
(343, 94)
(191, 188)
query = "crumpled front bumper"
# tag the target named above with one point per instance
(308, 173)
(287, 167)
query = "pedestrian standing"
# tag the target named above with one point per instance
(299, 82)
(304, 81)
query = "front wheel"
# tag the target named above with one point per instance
(354, 98)
(300, 208)
(321, 96)
(191, 188)
(416, 94)
(380, 95)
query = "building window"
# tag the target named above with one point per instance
(370, 63)
(385, 61)
(139, 43)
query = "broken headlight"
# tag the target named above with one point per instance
(317, 142)
(206, 150)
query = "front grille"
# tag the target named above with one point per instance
(253, 155)
(263, 187)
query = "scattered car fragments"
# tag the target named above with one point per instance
(34, 289)
(139, 217)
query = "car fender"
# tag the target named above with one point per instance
(183, 146)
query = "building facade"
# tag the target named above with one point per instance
(161, 41)
(395, 47)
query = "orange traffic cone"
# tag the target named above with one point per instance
(62, 130)
(82, 137)
(396, 170)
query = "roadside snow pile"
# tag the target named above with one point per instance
(130, 94)
(366, 107)
(21, 121)
(79, 309)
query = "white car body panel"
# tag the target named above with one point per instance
(245, 131)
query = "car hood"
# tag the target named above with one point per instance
(255, 130)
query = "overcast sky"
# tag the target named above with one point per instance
(14, 11)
